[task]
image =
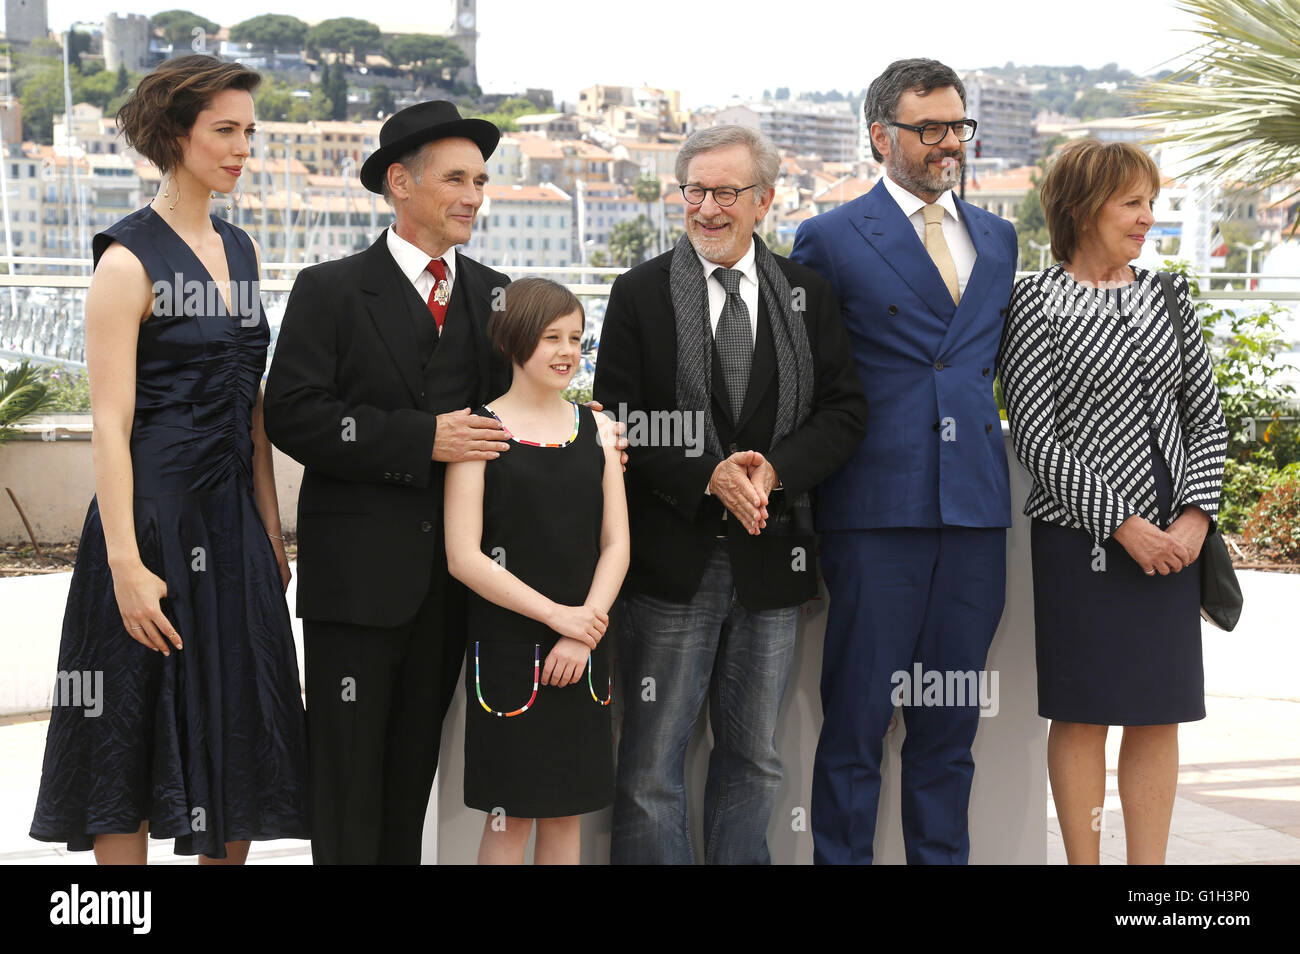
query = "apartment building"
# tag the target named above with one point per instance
(524, 226)
(827, 130)
(1005, 116)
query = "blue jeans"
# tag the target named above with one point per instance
(741, 659)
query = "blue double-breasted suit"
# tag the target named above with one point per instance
(913, 526)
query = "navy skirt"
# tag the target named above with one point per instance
(1115, 646)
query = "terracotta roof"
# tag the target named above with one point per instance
(652, 146)
(334, 182)
(538, 148)
(287, 127)
(296, 167)
(845, 190)
(370, 127)
(358, 204)
(524, 193)
(1012, 180)
(252, 202)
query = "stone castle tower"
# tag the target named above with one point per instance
(464, 30)
(25, 20)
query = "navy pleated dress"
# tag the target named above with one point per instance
(209, 744)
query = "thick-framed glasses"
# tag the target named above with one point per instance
(933, 133)
(723, 195)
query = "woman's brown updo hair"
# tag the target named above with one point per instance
(163, 108)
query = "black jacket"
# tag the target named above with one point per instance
(674, 523)
(346, 398)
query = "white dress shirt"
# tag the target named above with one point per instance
(748, 268)
(954, 230)
(413, 263)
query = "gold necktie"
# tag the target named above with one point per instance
(937, 246)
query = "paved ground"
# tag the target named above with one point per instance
(1238, 789)
(1239, 785)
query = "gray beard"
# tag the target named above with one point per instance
(925, 183)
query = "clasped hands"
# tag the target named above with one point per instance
(581, 629)
(743, 483)
(1164, 551)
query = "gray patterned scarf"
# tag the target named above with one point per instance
(794, 366)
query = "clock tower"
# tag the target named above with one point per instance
(464, 30)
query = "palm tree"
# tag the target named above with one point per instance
(22, 394)
(649, 189)
(1237, 105)
(629, 240)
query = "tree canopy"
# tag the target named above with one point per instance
(334, 84)
(344, 35)
(503, 117)
(274, 30)
(178, 25)
(381, 100)
(42, 94)
(430, 57)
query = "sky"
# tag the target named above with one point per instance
(712, 50)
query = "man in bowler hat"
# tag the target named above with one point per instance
(380, 357)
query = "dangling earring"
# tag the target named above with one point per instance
(172, 207)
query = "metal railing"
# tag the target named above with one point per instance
(41, 313)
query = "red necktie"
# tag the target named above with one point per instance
(439, 309)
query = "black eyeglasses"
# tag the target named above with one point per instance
(723, 195)
(934, 133)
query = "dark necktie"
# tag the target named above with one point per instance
(734, 340)
(441, 292)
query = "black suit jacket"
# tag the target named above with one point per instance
(674, 522)
(346, 398)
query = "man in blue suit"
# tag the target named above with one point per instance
(913, 526)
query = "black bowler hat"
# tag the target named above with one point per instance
(415, 125)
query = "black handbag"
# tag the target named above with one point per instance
(1220, 592)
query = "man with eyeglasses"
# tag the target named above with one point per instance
(912, 528)
(747, 352)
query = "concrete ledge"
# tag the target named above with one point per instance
(51, 470)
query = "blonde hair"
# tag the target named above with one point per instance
(1082, 178)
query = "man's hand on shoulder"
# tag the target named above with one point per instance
(463, 435)
(612, 429)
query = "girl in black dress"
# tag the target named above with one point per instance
(540, 535)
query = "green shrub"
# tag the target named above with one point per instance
(1245, 346)
(69, 390)
(1244, 482)
(1274, 526)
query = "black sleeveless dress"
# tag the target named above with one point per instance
(209, 744)
(538, 751)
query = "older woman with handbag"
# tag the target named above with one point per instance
(1125, 443)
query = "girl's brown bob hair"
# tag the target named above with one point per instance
(163, 108)
(1082, 178)
(531, 305)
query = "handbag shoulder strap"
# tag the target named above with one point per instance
(1175, 319)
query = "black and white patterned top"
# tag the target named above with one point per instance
(1090, 379)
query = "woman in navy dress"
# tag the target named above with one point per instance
(1125, 441)
(189, 723)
